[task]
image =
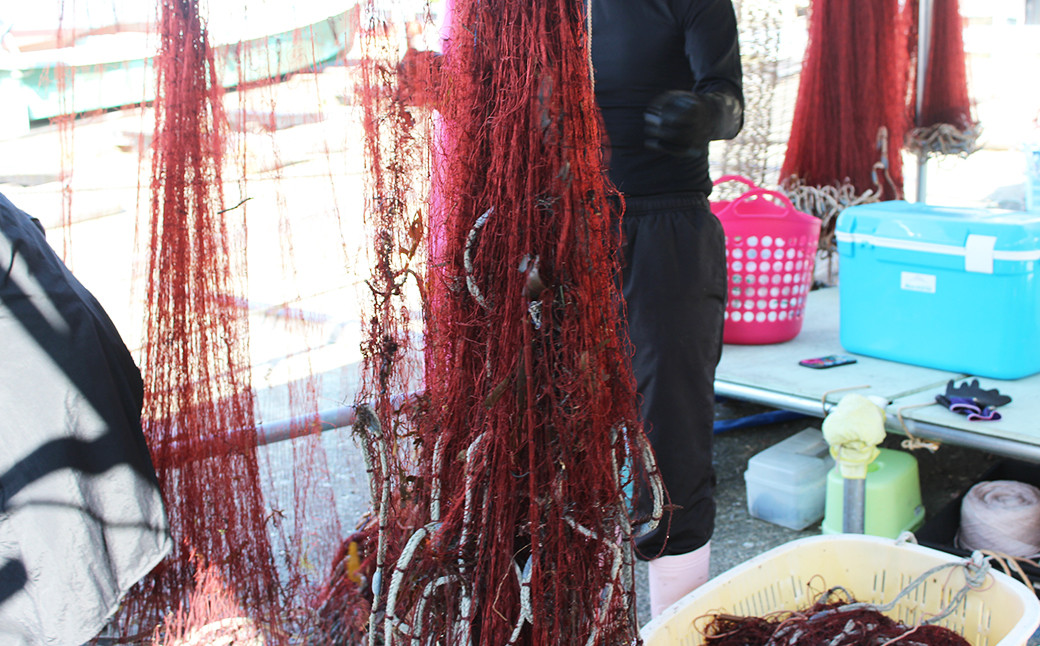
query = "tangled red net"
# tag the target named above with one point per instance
(502, 511)
(860, 100)
(835, 619)
(502, 492)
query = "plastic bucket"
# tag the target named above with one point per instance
(770, 251)
(1001, 612)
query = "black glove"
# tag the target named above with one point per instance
(680, 122)
(972, 391)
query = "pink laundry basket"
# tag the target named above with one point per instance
(770, 250)
(718, 205)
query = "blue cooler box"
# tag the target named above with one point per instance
(949, 288)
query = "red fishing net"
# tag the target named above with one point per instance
(199, 408)
(503, 517)
(211, 615)
(501, 507)
(850, 115)
(942, 113)
(828, 621)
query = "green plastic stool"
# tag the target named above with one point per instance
(893, 497)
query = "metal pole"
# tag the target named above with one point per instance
(924, 47)
(327, 420)
(854, 506)
(797, 403)
(1001, 446)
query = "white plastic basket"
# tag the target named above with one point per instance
(872, 569)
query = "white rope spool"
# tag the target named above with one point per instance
(1001, 516)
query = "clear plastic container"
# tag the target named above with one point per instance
(787, 483)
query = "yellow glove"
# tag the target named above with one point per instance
(853, 429)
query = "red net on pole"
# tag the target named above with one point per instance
(503, 515)
(850, 115)
(942, 114)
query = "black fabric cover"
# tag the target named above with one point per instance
(81, 517)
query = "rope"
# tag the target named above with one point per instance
(467, 510)
(943, 139)
(435, 487)
(656, 481)
(825, 202)
(523, 578)
(823, 398)
(912, 442)
(657, 493)
(392, 621)
(588, 30)
(471, 284)
(1009, 563)
(393, 624)
(369, 428)
(1003, 516)
(828, 201)
(420, 608)
(976, 569)
(883, 166)
(608, 592)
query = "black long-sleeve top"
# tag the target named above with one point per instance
(641, 48)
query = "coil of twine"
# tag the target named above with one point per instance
(1001, 516)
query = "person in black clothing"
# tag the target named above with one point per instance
(668, 80)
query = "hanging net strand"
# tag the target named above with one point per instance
(196, 363)
(834, 132)
(942, 114)
(199, 399)
(501, 496)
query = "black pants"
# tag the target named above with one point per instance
(674, 284)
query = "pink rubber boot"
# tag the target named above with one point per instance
(672, 577)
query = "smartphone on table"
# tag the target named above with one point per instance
(829, 361)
